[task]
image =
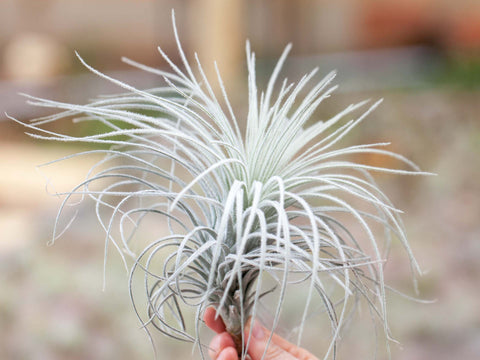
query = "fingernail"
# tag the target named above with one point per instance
(258, 332)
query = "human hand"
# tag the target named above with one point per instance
(222, 346)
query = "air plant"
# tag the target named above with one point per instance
(277, 199)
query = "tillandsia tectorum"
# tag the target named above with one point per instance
(275, 200)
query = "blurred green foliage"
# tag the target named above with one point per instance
(460, 72)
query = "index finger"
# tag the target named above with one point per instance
(216, 324)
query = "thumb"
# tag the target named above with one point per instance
(257, 347)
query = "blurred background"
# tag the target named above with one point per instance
(422, 56)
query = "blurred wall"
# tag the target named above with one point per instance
(108, 29)
(38, 38)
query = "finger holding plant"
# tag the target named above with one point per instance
(262, 344)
